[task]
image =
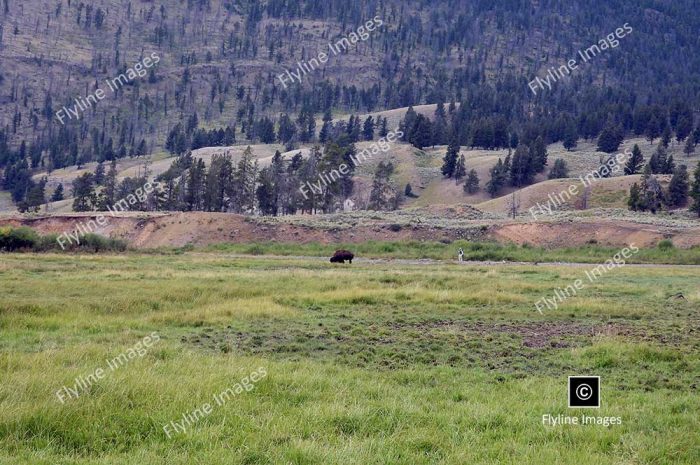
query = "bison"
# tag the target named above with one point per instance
(341, 255)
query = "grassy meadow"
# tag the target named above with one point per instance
(663, 253)
(370, 363)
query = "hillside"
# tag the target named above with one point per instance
(218, 64)
(420, 168)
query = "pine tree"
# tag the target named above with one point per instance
(308, 171)
(383, 195)
(325, 133)
(522, 168)
(634, 202)
(684, 126)
(689, 148)
(83, 193)
(498, 179)
(265, 130)
(570, 136)
(678, 188)
(635, 162)
(218, 179)
(244, 181)
(695, 191)
(57, 195)
(280, 183)
(670, 165)
(36, 197)
(450, 160)
(194, 197)
(460, 169)
(407, 124)
(651, 192)
(659, 160)
(110, 185)
(99, 174)
(368, 129)
(559, 170)
(383, 130)
(471, 185)
(440, 124)
(287, 129)
(142, 149)
(265, 193)
(610, 139)
(422, 133)
(654, 128)
(538, 155)
(666, 137)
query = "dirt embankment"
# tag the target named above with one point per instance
(143, 230)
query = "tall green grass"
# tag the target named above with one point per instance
(369, 364)
(475, 251)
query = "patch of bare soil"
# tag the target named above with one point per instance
(536, 334)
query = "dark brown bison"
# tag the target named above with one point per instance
(341, 255)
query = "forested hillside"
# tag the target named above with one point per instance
(191, 74)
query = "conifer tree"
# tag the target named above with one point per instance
(538, 155)
(658, 162)
(559, 170)
(522, 168)
(651, 192)
(666, 137)
(460, 169)
(610, 139)
(244, 182)
(449, 162)
(570, 136)
(695, 191)
(368, 129)
(498, 179)
(678, 188)
(83, 193)
(99, 174)
(57, 195)
(635, 162)
(471, 185)
(634, 202)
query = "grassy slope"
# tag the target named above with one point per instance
(369, 364)
(421, 168)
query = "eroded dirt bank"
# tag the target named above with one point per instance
(147, 230)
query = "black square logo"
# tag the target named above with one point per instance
(584, 391)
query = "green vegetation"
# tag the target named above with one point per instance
(473, 251)
(368, 364)
(26, 239)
